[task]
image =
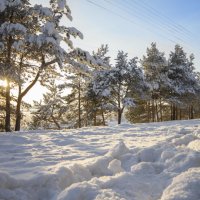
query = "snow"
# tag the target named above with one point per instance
(12, 29)
(2, 5)
(61, 4)
(122, 162)
(184, 186)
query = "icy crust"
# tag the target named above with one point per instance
(169, 170)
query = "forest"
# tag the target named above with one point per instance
(85, 88)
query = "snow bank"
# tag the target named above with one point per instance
(120, 168)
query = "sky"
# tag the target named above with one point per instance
(132, 25)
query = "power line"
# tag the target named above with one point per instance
(138, 16)
(164, 20)
(126, 19)
(147, 19)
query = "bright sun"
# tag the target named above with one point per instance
(3, 83)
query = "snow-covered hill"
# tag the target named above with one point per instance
(126, 162)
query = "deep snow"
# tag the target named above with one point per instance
(127, 162)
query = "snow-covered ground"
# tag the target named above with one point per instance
(126, 162)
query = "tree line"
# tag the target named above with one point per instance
(85, 89)
(152, 89)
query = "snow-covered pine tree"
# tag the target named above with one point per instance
(76, 83)
(155, 67)
(45, 43)
(12, 35)
(51, 109)
(93, 98)
(96, 104)
(121, 83)
(78, 80)
(30, 37)
(101, 54)
(183, 79)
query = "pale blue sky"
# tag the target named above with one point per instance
(131, 25)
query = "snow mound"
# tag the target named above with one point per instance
(79, 191)
(195, 145)
(147, 168)
(184, 140)
(185, 186)
(80, 173)
(100, 167)
(182, 161)
(148, 155)
(167, 154)
(115, 166)
(108, 194)
(119, 150)
(110, 163)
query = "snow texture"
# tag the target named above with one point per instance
(158, 161)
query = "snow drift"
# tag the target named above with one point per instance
(127, 162)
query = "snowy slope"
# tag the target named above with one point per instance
(126, 162)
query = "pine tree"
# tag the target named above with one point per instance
(51, 109)
(30, 38)
(155, 69)
(183, 79)
(12, 33)
(120, 83)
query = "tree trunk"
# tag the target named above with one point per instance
(8, 98)
(103, 118)
(18, 111)
(79, 105)
(189, 113)
(192, 112)
(56, 123)
(148, 111)
(18, 115)
(119, 116)
(119, 105)
(173, 111)
(95, 117)
(176, 117)
(161, 117)
(8, 109)
(180, 114)
(157, 117)
(153, 111)
(86, 122)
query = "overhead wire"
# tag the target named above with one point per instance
(141, 17)
(146, 18)
(162, 19)
(125, 18)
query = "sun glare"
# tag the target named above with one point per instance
(3, 83)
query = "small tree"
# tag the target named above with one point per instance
(51, 109)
